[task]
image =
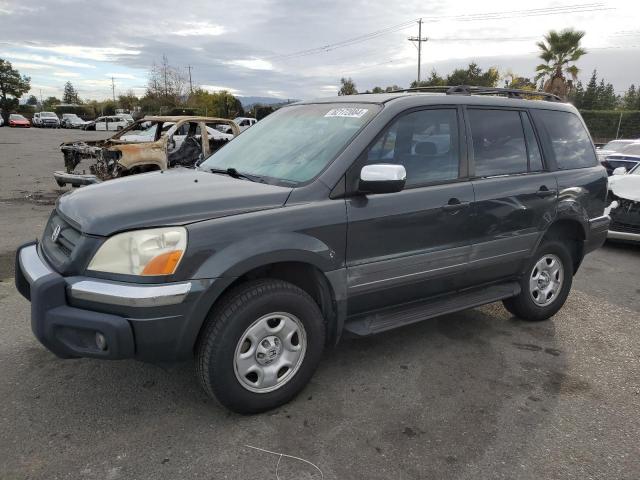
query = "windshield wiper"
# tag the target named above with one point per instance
(232, 172)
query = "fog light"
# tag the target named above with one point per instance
(101, 342)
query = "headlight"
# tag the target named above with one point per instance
(156, 251)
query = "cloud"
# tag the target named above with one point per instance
(66, 74)
(30, 66)
(127, 76)
(252, 64)
(46, 60)
(246, 47)
(100, 54)
(195, 29)
(218, 88)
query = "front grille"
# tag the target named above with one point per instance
(626, 217)
(59, 247)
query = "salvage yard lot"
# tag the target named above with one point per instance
(476, 394)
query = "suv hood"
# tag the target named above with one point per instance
(174, 197)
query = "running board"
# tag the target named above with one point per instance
(398, 316)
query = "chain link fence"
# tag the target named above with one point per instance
(607, 125)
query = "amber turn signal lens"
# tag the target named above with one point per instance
(164, 264)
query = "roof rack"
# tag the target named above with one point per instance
(473, 90)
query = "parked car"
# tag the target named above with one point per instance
(46, 119)
(328, 217)
(242, 122)
(71, 120)
(1, 121)
(624, 193)
(17, 120)
(628, 157)
(614, 146)
(112, 123)
(152, 143)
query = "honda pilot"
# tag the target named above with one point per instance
(344, 216)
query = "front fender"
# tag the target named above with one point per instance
(242, 256)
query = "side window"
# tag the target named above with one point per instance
(424, 142)
(533, 149)
(498, 142)
(569, 139)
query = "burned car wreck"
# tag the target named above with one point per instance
(151, 143)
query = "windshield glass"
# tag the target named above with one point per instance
(295, 143)
(47, 114)
(633, 149)
(16, 117)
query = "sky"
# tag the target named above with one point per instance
(301, 48)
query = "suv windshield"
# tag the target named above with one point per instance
(48, 115)
(295, 143)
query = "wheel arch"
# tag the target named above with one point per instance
(307, 276)
(573, 232)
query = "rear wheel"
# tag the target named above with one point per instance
(260, 346)
(545, 285)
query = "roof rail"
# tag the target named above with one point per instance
(474, 90)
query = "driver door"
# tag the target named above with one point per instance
(412, 244)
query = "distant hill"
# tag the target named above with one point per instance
(248, 101)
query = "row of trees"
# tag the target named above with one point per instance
(472, 75)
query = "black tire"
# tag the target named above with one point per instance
(523, 305)
(229, 320)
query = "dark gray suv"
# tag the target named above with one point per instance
(349, 215)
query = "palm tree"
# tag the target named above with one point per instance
(560, 50)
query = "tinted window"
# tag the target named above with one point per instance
(570, 141)
(535, 158)
(424, 142)
(498, 142)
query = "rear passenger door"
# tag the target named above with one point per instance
(411, 244)
(515, 194)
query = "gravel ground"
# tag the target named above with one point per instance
(472, 395)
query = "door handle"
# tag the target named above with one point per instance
(543, 191)
(454, 205)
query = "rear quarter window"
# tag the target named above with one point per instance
(569, 139)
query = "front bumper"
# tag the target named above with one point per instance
(626, 236)
(597, 234)
(75, 179)
(152, 322)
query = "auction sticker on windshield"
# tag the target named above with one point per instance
(347, 112)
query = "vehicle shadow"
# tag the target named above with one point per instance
(424, 401)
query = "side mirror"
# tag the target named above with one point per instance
(382, 178)
(620, 171)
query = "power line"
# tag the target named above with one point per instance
(567, 9)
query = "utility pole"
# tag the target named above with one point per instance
(113, 89)
(419, 39)
(190, 83)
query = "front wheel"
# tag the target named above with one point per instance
(260, 346)
(545, 285)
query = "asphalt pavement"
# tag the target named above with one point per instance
(472, 395)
